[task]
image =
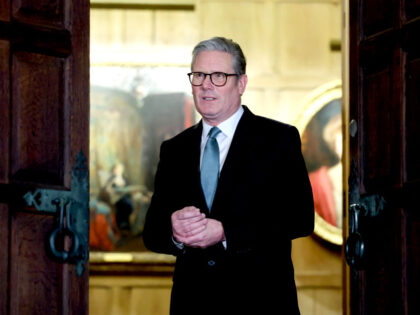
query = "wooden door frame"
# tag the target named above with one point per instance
(345, 57)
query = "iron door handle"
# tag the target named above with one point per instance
(73, 205)
(355, 244)
(64, 229)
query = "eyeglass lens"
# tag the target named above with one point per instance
(217, 78)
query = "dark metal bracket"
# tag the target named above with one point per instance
(367, 206)
(72, 208)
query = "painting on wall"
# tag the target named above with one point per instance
(320, 125)
(132, 112)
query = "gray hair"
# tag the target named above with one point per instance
(224, 45)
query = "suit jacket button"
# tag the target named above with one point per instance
(211, 263)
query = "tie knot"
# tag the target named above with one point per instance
(214, 132)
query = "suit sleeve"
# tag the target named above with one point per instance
(300, 213)
(279, 206)
(157, 233)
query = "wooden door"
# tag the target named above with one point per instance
(385, 107)
(44, 124)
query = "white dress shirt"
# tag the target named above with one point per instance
(224, 138)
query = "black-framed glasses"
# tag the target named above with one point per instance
(217, 78)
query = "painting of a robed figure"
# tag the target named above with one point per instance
(322, 150)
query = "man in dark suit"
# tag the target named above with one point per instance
(232, 239)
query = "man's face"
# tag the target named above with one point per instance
(217, 103)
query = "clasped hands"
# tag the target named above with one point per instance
(192, 228)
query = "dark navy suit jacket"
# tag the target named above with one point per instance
(263, 199)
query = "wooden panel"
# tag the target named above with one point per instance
(241, 21)
(39, 111)
(34, 277)
(4, 166)
(171, 30)
(41, 12)
(300, 47)
(375, 20)
(377, 53)
(382, 120)
(130, 295)
(413, 163)
(4, 10)
(122, 27)
(329, 302)
(318, 275)
(412, 117)
(385, 256)
(4, 253)
(129, 34)
(157, 299)
(147, 295)
(76, 119)
(412, 9)
(4, 110)
(413, 262)
(100, 300)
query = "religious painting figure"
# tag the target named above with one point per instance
(322, 150)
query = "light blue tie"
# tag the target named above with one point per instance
(210, 167)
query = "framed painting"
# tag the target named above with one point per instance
(133, 109)
(320, 126)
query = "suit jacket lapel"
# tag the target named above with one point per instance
(195, 148)
(240, 143)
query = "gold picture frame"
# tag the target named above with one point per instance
(328, 228)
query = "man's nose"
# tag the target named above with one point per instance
(207, 84)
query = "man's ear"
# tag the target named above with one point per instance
(242, 82)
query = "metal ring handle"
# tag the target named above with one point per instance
(63, 255)
(355, 245)
(355, 250)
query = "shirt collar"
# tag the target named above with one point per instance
(228, 126)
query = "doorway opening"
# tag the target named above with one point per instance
(140, 95)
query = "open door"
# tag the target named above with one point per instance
(44, 145)
(383, 246)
